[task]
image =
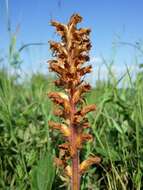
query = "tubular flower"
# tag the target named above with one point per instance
(69, 56)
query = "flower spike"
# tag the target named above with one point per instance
(69, 57)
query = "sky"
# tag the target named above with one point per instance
(111, 21)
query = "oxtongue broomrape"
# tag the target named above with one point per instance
(69, 56)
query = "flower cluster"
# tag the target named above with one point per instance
(69, 56)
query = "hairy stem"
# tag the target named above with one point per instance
(75, 180)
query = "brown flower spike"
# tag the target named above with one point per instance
(70, 55)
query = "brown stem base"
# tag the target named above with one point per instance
(75, 180)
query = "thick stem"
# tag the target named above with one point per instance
(75, 180)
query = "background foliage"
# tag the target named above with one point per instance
(27, 145)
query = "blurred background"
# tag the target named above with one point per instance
(27, 145)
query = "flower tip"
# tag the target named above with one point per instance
(87, 163)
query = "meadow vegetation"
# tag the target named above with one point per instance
(28, 146)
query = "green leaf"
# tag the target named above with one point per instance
(43, 174)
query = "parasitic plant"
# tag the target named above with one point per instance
(70, 55)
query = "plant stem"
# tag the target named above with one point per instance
(75, 180)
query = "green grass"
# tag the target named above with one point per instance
(27, 145)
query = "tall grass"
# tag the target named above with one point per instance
(24, 135)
